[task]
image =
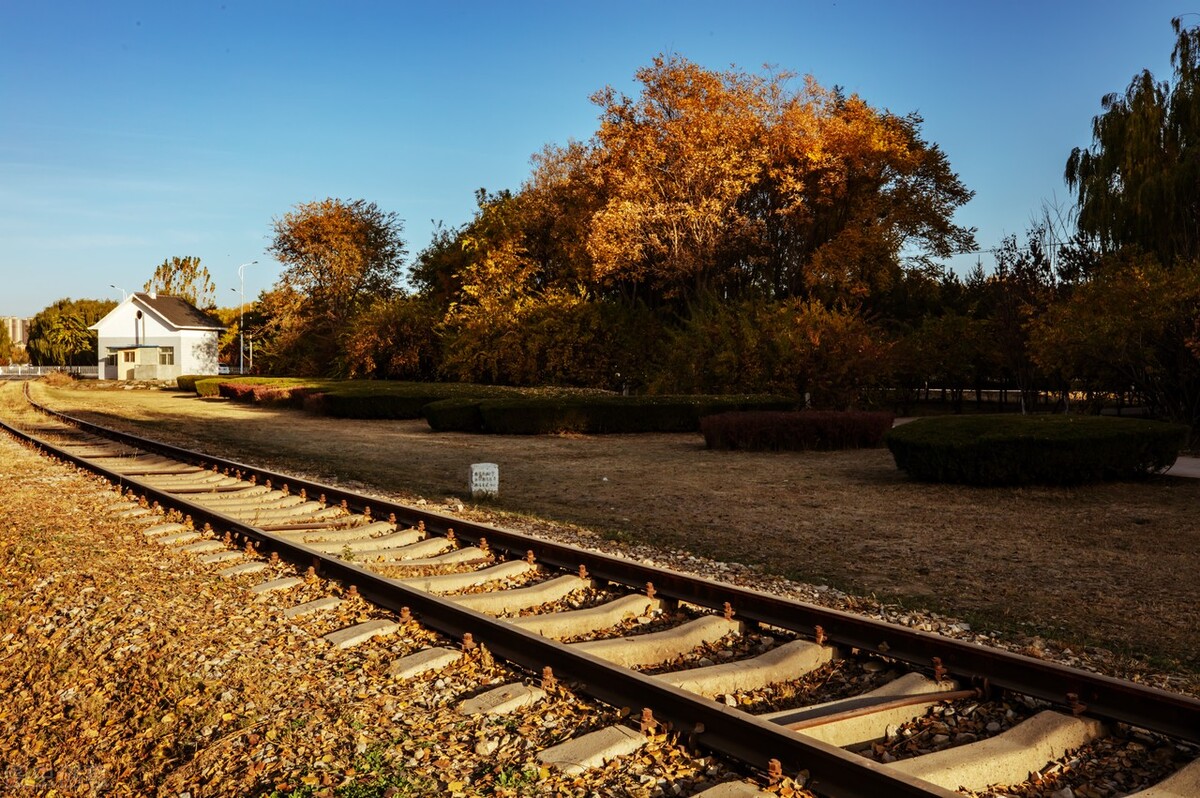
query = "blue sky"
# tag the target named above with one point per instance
(132, 132)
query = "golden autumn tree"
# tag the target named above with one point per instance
(724, 181)
(707, 187)
(673, 165)
(339, 256)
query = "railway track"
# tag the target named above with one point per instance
(680, 653)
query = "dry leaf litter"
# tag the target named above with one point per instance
(132, 670)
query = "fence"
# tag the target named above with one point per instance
(37, 371)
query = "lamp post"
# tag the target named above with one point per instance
(242, 317)
(124, 293)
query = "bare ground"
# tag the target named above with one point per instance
(1113, 566)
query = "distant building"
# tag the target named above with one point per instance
(18, 328)
(152, 337)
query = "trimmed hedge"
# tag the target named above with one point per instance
(454, 415)
(592, 415)
(381, 399)
(1020, 450)
(394, 406)
(209, 386)
(187, 382)
(487, 408)
(822, 430)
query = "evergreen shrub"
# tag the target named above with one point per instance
(822, 430)
(377, 405)
(209, 386)
(1020, 450)
(454, 415)
(613, 414)
(187, 382)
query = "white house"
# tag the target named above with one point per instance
(152, 337)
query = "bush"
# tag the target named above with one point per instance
(822, 430)
(209, 386)
(380, 405)
(58, 379)
(187, 382)
(613, 414)
(454, 415)
(1018, 450)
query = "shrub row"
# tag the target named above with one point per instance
(822, 430)
(589, 414)
(482, 408)
(379, 405)
(266, 393)
(1019, 450)
(341, 398)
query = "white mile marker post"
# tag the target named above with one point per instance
(485, 479)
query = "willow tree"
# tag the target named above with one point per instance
(59, 334)
(1139, 182)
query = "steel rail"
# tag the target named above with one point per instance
(1147, 707)
(705, 723)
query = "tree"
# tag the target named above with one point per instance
(673, 164)
(6, 346)
(1137, 184)
(59, 334)
(724, 181)
(1022, 288)
(184, 278)
(1134, 325)
(338, 257)
(395, 339)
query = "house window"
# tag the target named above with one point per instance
(111, 360)
(128, 356)
(166, 356)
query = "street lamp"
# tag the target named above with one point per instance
(242, 316)
(124, 293)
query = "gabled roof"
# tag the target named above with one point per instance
(176, 312)
(179, 312)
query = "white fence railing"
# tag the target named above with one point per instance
(37, 371)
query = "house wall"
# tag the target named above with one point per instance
(195, 351)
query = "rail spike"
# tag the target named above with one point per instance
(647, 725)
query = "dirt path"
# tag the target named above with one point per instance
(1110, 566)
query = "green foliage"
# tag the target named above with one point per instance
(1136, 185)
(1133, 323)
(1018, 450)
(59, 334)
(595, 415)
(187, 382)
(457, 415)
(209, 386)
(343, 398)
(821, 430)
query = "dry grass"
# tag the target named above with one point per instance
(1112, 566)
